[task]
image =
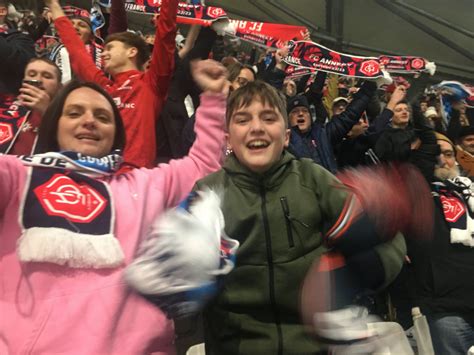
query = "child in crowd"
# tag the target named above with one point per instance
(284, 212)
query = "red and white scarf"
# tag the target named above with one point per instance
(13, 119)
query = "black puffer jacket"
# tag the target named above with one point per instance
(16, 49)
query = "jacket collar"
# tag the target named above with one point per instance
(125, 75)
(246, 178)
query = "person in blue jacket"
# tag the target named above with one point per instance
(315, 140)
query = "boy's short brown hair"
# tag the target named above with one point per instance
(256, 90)
(130, 39)
(49, 62)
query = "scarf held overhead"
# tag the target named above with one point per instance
(260, 33)
(265, 34)
(306, 54)
(67, 215)
(314, 56)
(187, 14)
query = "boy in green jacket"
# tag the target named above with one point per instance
(285, 213)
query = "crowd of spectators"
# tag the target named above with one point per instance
(165, 89)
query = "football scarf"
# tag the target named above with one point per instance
(292, 72)
(13, 118)
(456, 196)
(311, 55)
(259, 33)
(187, 13)
(67, 214)
(265, 34)
(60, 56)
(407, 64)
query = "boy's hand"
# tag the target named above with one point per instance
(210, 76)
(398, 95)
(34, 98)
(279, 55)
(55, 7)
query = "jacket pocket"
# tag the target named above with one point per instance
(286, 212)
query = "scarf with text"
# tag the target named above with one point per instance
(292, 72)
(187, 13)
(406, 64)
(60, 56)
(67, 213)
(456, 196)
(13, 119)
(311, 55)
(265, 34)
(260, 33)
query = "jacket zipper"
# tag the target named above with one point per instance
(286, 212)
(271, 276)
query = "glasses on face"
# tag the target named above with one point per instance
(242, 81)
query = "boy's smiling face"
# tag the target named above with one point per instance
(257, 135)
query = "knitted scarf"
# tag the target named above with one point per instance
(311, 55)
(60, 56)
(457, 198)
(13, 117)
(66, 213)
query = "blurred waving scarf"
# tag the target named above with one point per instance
(67, 215)
(265, 34)
(452, 91)
(185, 257)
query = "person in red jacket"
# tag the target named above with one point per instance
(139, 95)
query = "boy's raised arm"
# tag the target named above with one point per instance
(162, 58)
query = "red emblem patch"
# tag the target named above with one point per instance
(61, 196)
(452, 208)
(215, 12)
(370, 67)
(417, 63)
(6, 132)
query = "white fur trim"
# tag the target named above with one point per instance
(63, 247)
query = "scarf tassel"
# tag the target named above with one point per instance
(63, 247)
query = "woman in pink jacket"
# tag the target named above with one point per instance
(69, 224)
